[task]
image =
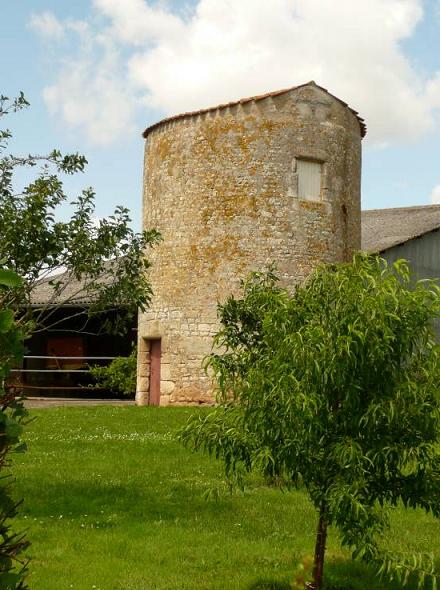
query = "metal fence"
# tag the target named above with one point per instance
(57, 373)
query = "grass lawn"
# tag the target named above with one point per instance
(113, 502)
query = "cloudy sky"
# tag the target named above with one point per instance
(97, 72)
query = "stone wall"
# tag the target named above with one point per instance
(222, 188)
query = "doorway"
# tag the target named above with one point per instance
(154, 381)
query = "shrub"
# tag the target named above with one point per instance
(12, 416)
(119, 376)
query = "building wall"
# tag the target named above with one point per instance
(423, 255)
(222, 188)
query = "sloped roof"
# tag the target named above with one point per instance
(362, 124)
(74, 292)
(385, 228)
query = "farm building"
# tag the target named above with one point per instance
(59, 353)
(233, 188)
(405, 232)
(412, 233)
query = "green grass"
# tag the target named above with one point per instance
(113, 502)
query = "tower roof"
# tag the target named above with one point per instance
(362, 125)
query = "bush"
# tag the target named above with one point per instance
(119, 376)
(13, 567)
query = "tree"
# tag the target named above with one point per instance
(12, 417)
(335, 389)
(75, 259)
(103, 260)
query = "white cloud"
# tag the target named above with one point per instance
(95, 104)
(146, 56)
(47, 25)
(433, 91)
(138, 23)
(435, 195)
(89, 92)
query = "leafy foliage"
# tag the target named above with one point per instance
(119, 376)
(81, 258)
(334, 388)
(12, 416)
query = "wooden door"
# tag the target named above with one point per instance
(155, 355)
(62, 346)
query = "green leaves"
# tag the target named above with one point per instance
(6, 320)
(8, 278)
(12, 417)
(337, 386)
(119, 376)
(102, 261)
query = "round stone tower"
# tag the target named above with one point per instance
(235, 188)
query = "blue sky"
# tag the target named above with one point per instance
(97, 72)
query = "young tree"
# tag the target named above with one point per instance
(335, 389)
(75, 259)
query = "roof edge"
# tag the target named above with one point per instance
(362, 125)
(401, 242)
(431, 205)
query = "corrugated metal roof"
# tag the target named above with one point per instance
(362, 124)
(384, 228)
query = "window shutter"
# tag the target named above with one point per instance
(309, 180)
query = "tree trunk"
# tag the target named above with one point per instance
(321, 538)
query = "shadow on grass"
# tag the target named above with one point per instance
(131, 499)
(346, 574)
(269, 585)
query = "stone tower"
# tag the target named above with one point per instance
(233, 188)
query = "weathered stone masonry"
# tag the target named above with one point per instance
(223, 188)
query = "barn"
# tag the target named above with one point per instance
(412, 233)
(66, 341)
(405, 232)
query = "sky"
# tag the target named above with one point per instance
(98, 72)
